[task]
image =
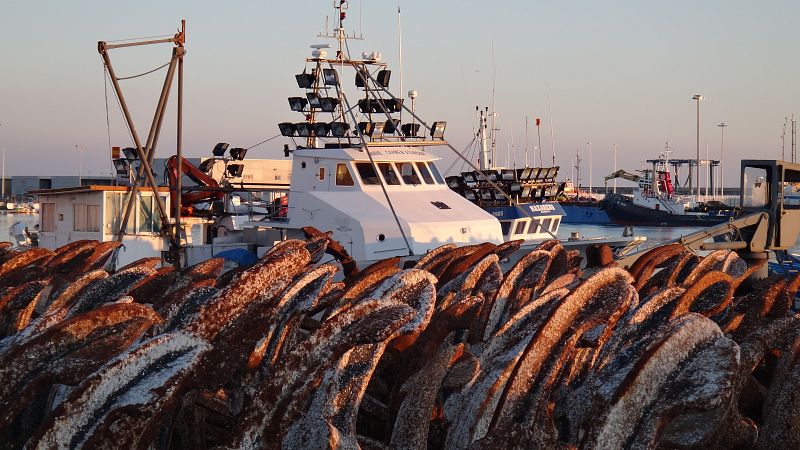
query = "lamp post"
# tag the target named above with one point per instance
(721, 159)
(590, 168)
(615, 167)
(699, 98)
(79, 149)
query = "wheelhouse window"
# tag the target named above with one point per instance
(389, 175)
(114, 209)
(546, 225)
(554, 226)
(367, 173)
(426, 174)
(343, 177)
(86, 217)
(408, 173)
(149, 221)
(520, 227)
(436, 173)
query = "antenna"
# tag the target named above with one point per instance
(341, 7)
(400, 52)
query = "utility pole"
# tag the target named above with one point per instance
(783, 139)
(615, 167)
(794, 139)
(79, 149)
(590, 168)
(721, 160)
(578, 173)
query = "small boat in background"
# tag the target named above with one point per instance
(580, 207)
(655, 201)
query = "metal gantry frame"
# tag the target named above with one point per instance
(146, 152)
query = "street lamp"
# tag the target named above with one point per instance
(699, 98)
(615, 168)
(79, 149)
(590, 168)
(721, 152)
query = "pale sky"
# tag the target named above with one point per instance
(618, 72)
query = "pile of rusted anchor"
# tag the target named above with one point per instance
(676, 351)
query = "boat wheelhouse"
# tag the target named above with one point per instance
(389, 200)
(654, 201)
(522, 199)
(93, 212)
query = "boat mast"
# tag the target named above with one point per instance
(526, 145)
(494, 111)
(484, 159)
(552, 132)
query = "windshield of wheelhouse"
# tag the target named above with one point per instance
(400, 173)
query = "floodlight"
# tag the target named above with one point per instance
(362, 75)
(470, 195)
(339, 129)
(207, 165)
(391, 126)
(130, 153)
(306, 80)
(525, 175)
(410, 129)
(297, 103)
(377, 105)
(364, 106)
(377, 130)
(394, 104)
(437, 130)
(235, 170)
(122, 167)
(331, 77)
(508, 174)
(321, 129)
(383, 77)
(515, 188)
(371, 129)
(220, 149)
(238, 153)
(454, 182)
(304, 129)
(314, 100)
(469, 177)
(329, 104)
(287, 129)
